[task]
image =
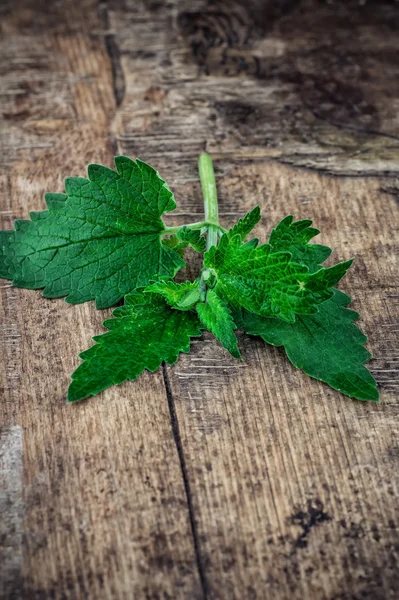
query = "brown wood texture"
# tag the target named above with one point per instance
(211, 479)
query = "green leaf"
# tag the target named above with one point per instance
(216, 317)
(100, 240)
(268, 283)
(182, 296)
(175, 244)
(293, 236)
(143, 333)
(326, 345)
(5, 239)
(192, 237)
(244, 226)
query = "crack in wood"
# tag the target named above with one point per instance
(186, 481)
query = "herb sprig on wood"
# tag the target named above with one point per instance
(105, 240)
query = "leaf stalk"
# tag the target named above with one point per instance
(208, 185)
(198, 225)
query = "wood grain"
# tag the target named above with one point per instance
(215, 478)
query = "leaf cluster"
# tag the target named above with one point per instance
(105, 240)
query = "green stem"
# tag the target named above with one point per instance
(211, 223)
(208, 185)
(198, 225)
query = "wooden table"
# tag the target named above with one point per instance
(216, 478)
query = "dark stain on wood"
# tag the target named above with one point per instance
(313, 516)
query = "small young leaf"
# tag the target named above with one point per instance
(100, 240)
(244, 226)
(326, 345)
(143, 333)
(293, 236)
(182, 296)
(175, 244)
(192, 237)
(267, 283)
(216, 317)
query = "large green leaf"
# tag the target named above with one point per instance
(100, 240)
(143, 333)
(326, 345)
(269, 283)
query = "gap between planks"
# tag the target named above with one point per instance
(182, 461)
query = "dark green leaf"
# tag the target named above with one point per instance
(100, 240)
(326, 345)
(143, 333)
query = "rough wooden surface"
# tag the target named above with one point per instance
(213, 479)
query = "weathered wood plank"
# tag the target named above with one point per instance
(293, 487)
(96, 505)
(313, 84)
